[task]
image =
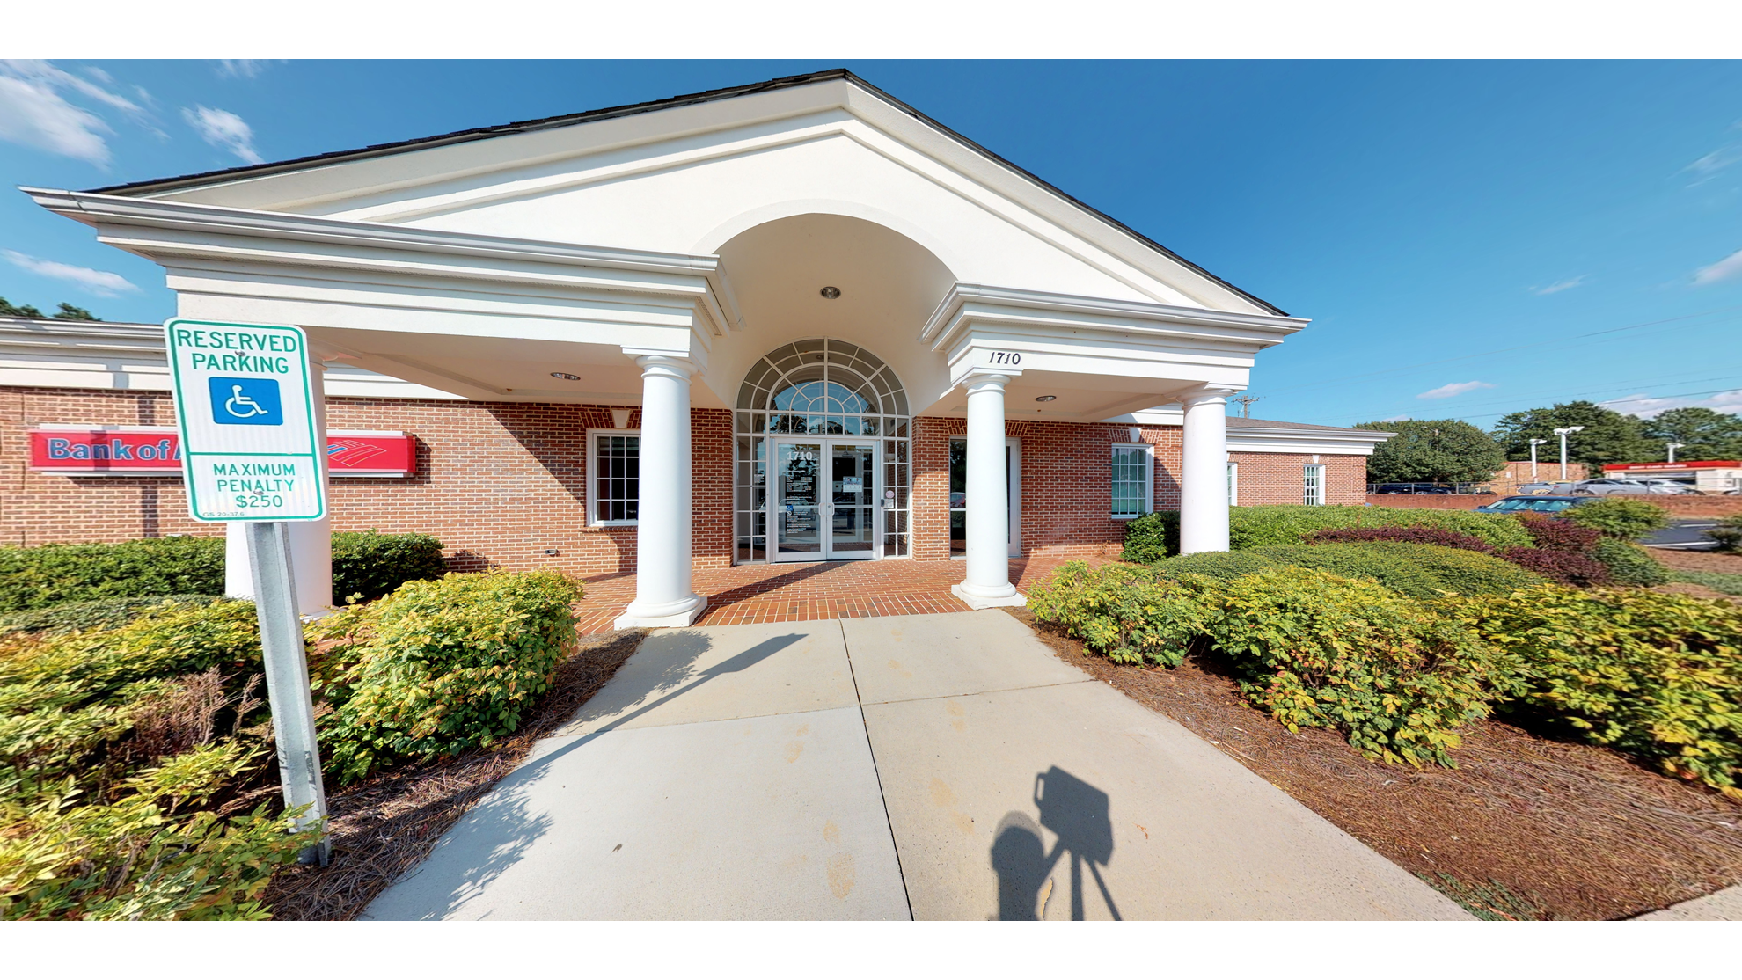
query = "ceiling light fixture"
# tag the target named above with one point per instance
(1047, 398)
(565, 376)
(830, 292)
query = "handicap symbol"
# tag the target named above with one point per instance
(245, 401)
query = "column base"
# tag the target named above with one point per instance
(663, 614)
(1015, 598)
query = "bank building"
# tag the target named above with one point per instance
(795, 321)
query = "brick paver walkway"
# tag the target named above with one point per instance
(788, 593)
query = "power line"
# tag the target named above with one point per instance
(1506, 350)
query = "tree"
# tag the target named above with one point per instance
(1432, 452)
(1703, 433)
(70, 312)
(1608, 436)
(7, 309)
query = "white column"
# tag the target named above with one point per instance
(988, 498)
(1203, 496)
(663, 592)
(311, 542)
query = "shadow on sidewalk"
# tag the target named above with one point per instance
(1080, 817)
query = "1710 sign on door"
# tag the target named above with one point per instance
(245, 408)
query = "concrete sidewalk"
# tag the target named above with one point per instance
(933, 767)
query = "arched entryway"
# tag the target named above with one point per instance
(821, 435)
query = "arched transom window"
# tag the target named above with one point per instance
(827, 388)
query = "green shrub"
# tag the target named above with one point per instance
(95, 613)
(1419, 570)
(1728, 533)
(1725, 582)
(55, 574)
(1152, 537)
(1255, 527)
(1657, 676)
(1216, 564)
(437, 668)
(1628, 563)
(1387, 671)
(1310, 648)
(1125, 613)
(1620, 517)
(368, 564)
(170, 641)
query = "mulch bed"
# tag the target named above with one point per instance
(383, 827)
(1524, 828)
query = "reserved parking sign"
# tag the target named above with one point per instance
(245, 408)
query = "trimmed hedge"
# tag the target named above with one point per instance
(1575, 568)
(437, 668)
(96, 614)
(367, 564)
(1406, 535)
(1423, 571)
(54, 574)
(1556, 534)
(1629, 564)
(1728, 583)
(1620, 517)
(1155, 536)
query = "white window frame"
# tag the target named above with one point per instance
(1148, 479)
(593, 475)
(1233, 484)
(1313, 484)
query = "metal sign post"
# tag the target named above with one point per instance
(244, 403)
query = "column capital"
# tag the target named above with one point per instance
(982, 378)
(1206, 394)
(667, 364)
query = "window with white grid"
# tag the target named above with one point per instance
(1233, 484)
(1131, 479)
(614, 476)
(1313, 480)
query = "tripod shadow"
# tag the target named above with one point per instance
(1080, 817)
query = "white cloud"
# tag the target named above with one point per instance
(91, 280)
(1708, 166)
(1397, 418)
(1557, 287)
(1457, 388)
(1728, 267)
(223, 129)
(242, 67)
(1646, 407)
(35, 110)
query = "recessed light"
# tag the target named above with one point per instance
(830, 292)
(1047, 398)
(565, 376)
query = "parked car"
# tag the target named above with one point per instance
(1609, 487)
(1537, 488)
(1412, 488)
(1534, 503)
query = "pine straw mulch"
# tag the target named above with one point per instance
(1524, 828)
(383, 827)
(1698, 561)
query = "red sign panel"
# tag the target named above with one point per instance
(1696, 464)
(155, 451)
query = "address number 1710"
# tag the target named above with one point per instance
(1005, 357)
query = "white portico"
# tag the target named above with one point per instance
(810, 259)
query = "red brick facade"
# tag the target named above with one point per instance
(501, 483)
(1280, 478)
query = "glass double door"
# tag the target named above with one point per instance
(825, 499)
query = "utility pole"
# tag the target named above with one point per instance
(1673, 447)
(1533, 444)
(1563, 433)
(1246, 404)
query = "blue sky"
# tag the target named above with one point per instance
(1492, 235)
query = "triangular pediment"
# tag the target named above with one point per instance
(687, 175)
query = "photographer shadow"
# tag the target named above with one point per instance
(1080, 818)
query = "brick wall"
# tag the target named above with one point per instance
(498, 482)
(1280, 478)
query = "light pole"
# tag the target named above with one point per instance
(1673, 447)
(1563, 433)
(1533, 444)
